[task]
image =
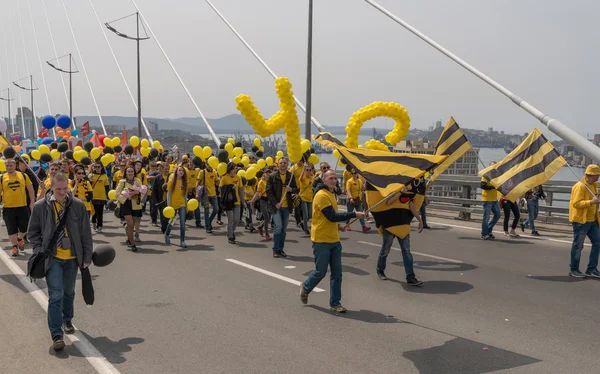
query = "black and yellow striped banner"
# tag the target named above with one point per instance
(3, 143)
(529, 165)
(452, 143)
(388, 172)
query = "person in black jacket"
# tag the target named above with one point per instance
(158, 194)
(280, 187)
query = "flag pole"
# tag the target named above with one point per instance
(376, 205)
(564, 132)
(578, 178)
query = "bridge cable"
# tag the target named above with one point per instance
(26, 64)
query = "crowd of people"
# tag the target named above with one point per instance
(264, 203)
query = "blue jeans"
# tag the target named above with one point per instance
(60, 279)
(181, 213)
(359, 208)
(592, 231)
(209, 219)
(489, 206)
(533, 208)
(407, 258)
(280, 220)
(306, 214)
(327, 254)
(423, 213)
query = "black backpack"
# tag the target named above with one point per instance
(228, 196)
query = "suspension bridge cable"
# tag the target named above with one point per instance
(83, 68)
(214, 136)
(10, 121)
(62, 79)
(2, 85)
(262, 62)
(37, 130)
(119, 67)
(12, 32)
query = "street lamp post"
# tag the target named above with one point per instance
(70, 72)
(8, 99)
(137, 38)
(30, 89)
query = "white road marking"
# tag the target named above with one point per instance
(94, 357)
(271, 274)
(290, 267)
(416, 253)
(501, 233)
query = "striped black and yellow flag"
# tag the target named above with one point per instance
(452, 143)
(388, 172)
(3, 143)
(529, 165)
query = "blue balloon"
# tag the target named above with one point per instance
(47, 141)
(59, 139)
(39, 141)
(48, 122)
(74, 132)
(63, 122)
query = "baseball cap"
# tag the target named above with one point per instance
(592, 170)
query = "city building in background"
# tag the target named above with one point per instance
(24, 117)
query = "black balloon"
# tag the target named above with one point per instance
(118, 149)
(9, 152)
(223, 156)
(252, 182)
(103, 255)
(88, 146)
(86, 161)
(312, 150)
(154, 153)
(238, 144)
(222, 146)
(63, 147)
(46, 158)
(197, 161)
(254, 149)
(111, 205)
(108, 150)
(259, 154)
(69, 154)
(64, 141)
(244, 181)
(54, 145)
(189, 215)
(128, 149)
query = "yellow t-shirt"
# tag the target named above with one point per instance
(48, 183)
(249, 191)
(355, 187)
(61, 253)
(118, 176)
(13, 189)
(322, 229)
(347, 176)
(296, 170)
(489, 195)
(178, 194)
(192, 178)
(262, 188)
(172, 167)
(99, 183)
(210, 183)
(306, 191)
(226, 179)
(284, 204)
(142, 176)
(82, 188)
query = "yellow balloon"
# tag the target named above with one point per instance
(2, 165)
(36, 154)
(77, 156)
(245, 161)
(313, 159)
(134, 141)
(251, 172)
(305, 145)
(257, 142)
(379, 109)
(95, 153)
(145, 151)
(236, 160)
(145, 143)
(55, 154)
(238, 151)
(231, 141)
(260, 163)
(112, 195)
(279, 154)
(229, 147)
(105, 160)
(116, 141)
(269, 161)
(336, 153)
(222, 168)
(213, 162)
(169, 212)
(241, 173)
(156, 144)
(261, 148)
(44, 149)
(206, 152)
(192, 204)
(76, 149)
(197, 150)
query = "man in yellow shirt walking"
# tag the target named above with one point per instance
(324, 233)
(583, 214)
(489, 196)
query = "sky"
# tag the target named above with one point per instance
(545, 51)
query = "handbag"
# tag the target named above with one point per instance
(39, 262)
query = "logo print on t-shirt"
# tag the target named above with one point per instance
(14, 185)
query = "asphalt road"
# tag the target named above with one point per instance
(506, 306)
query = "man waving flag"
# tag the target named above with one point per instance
(529, 165)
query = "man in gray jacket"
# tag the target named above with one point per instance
(73, 249)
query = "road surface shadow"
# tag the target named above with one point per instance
(557, 278)
(300, 258)
(150, 251)
(437, 287)
(354, 255)
(345, 269)
(439, 266)
(360, 315)
(497, 240)
(251, 245)
(198, 247)
(114, 351)
(465, 356)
